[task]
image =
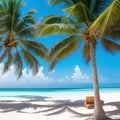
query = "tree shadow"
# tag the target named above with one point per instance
(18, 106)
(65, 105)
(51, 107)
(114, 112)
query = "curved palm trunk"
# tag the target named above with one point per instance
(99, 113)
(4, 55)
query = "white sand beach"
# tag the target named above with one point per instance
(41, 108)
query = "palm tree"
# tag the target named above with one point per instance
(16, 34)
(84, 13)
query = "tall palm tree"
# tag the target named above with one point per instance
(16, 34)
(84, 13)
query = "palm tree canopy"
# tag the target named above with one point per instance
(95, 7)
(109, 21)
(16, 35)
(108, 24)
(56, 25)
(84, 15)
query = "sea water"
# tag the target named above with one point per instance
(50, 93)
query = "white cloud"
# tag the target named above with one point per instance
(9, 78)
(79, 76)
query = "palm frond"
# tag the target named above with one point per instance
(32, 11)
(5, 23)
(98, 6)
(11, 20)
(109, 18)
(37, 48)
(14, 6)
(14, 11)
(86, 52)
(63, 49)
(26, 32)
(17, 61)
(56, 2)
(30, 60)
(25, 21)
(24, 26)
(113, 32)
(58, 19)
(110, 46)
(4, 4)
(47, 29)
(68, 3)
(52, 64)
(7, 63)
(28, 18)
(19, 4)
(10, 8)
(80, 12)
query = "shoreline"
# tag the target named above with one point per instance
(45, 108)
(88, 87)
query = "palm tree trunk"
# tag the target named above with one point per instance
(99, 113)
(4, 55)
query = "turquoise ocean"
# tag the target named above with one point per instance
(55, 93)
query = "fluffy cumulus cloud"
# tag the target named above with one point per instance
(9, 78)
(79, 76)
(28, 80)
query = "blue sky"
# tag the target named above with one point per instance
(69, 72)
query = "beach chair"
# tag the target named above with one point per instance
(89, 102)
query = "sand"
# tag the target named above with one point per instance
(40, 108)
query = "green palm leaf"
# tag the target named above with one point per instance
(110, 46)
(114, 32)
(19, 4)
(17, 61)
(109, 18)
(4, 4)
(26, 32)
(55, 2)
(23, 28)
(68, 2)
(5, 23)
(47, 29)
(80, 11)
(30, 60)
(52, 64)
(58, 19)
(27, 19)
(63, 49)
(37, 48)
(97, 6)
(7, 63)
(86, 52)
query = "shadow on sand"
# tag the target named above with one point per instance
(57, 107)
